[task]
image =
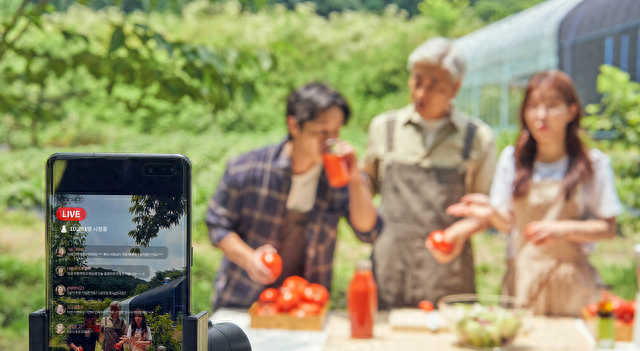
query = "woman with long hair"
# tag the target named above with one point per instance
(139, 334)
(554, 196)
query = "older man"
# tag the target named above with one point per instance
(113, 328)
(423, 158)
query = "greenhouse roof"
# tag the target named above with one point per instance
(515, 47)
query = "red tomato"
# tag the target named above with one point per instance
(288, 299)
(625, 311)
(426, 305)
(295, 283)
(273, 261)
(593, 309)
(267, 309)
(437, 240)
(315, 293)
(268, 295)
(309, 307)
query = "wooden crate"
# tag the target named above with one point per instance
(287, 321)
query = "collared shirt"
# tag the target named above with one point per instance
(445, 150)
(251, 202)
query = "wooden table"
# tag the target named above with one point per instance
(546, 334)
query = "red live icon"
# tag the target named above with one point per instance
(71, 214)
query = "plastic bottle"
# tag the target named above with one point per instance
(362, 301)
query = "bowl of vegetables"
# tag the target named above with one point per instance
(485, 322)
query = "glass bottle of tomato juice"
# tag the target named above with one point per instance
(362, 301)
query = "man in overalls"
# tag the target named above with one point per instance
(421, 159)
(278, 198)
(113, 328)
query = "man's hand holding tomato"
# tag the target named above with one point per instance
(445, 245)
(257, 269)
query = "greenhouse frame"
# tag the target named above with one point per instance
(575, 36)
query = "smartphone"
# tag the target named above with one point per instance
(119, 251)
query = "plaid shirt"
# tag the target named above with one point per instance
(251, 201)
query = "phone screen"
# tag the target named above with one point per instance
(119, 252)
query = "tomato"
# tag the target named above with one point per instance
(267, 309)
(437, 241)
(593, 309)
(624, 310)
(315, 293)
(309, 307)
(425, 305)
(268, 295)
(273, 261)
(295, 283)
(288, 299)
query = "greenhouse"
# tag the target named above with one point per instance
(575, 36)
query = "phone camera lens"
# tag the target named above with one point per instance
(150, 169)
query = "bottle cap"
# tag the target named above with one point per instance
(363, 265)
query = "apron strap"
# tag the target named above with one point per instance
(468, 140)
(391, 123)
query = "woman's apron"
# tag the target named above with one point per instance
(557, 279)
(137, 336)
(414, 202)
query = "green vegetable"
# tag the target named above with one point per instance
(485, 326)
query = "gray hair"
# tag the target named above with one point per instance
(442, 52)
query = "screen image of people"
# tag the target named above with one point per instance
(117, 274)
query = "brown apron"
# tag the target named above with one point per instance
(414, 202)
(137, 336)
(293, 246)
(112, 330)
(557, 278)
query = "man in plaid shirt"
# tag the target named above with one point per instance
(278, 199)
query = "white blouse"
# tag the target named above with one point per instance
(600, 198)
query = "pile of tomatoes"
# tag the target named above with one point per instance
(623, 310)
(296, 297)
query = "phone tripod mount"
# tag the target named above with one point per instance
(198, 334)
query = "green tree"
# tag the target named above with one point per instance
(163, 331)
(619, 113)
(153, 213)
(493, 10)
(138, 67)
(619, 110)
(444, 13)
